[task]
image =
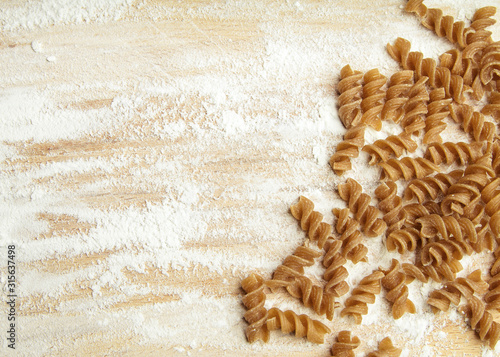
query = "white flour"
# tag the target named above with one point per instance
(178, 168)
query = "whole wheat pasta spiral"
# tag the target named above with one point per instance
(359, 204)
(403, 240)
(490, 63)
(373, 98)
(491, 196)
(444, 251)
(392, 146)
(493, 106)
(482, 321)
(335, 273)
(480, 21)
(347, 149)
(443, 26)
(448, 153)
(432, 186)
(394, 282)
(352, 246)
(302, 325)
(413, 272)
(293, 265)
(447, 227)
(311, 221)
(445, 271)
(415, 107)
(391, 205)
(345, 345)
(313, 296)
(495, 157)
(407, 168)
(363, 294)
(350, 90)
(397, 95)
(451, 293)
(416, 210)
(437, 111)
(385, 349)
(459, 64)
(256, 314)
(473, 122)
(438, 76)
(492, 297)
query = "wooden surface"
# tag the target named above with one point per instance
(94, 207)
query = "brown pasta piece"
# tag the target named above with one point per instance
(347, 149)
(448, 153)
(444, 251)
(492, 297)
(301, 325)
(447, 227)
(356, 305)
(403, 240)
(491, 196)
(391, 205)
(256, 314)
(352, 246)
(359, 204)
(432, 186)
(407, 168)
(417, 210)
(311, 221)
(481, 321)
(335, 273)
(392, 146)
(394, 282)
(293, 265)
(345, 345)
(415, 108)
(451, 293)
(480, 21)
(473, 122)
(385, 349)
(445, 271)
(459, 64)
(350, 90)
(373, 98)
(413, 272)
(437, 111)
(493, 106)
(397, 95)
(313, 296)
(443, 26)
(490, 63)
(438, 76)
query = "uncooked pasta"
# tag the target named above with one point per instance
(345, 344)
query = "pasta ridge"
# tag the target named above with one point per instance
(482, 321)
(407, 168)
(348, 149)
(448, 153)
(311, 221)
(350, 91)
(352, 246)
(345, 345)
(335, 273)
(373, 98)
(437, 111)
(394, 282)
(473, 122)
(391, 205)
(393, 145)
(431, 186)
(397, 94)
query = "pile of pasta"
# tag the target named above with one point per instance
(435, 209)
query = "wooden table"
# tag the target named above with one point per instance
(150, 153)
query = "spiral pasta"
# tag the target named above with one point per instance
(407, 168)
(448, 153)
(302, 325)
(460, 64)
(403, 240)
(415, 107)
(492, 297)
(417, 210)
(356, 305)
(293, 265)
(493, 106)
(256, 314)
(373, 96)
(473, 122)
(430, 187)
(352, 246)
(359, 204)
(491, 196)
(393, 145)
(446, 227)
(391, 205)
(438, 77)
(451, 293)
(385, 349)
(397, 95)
(335, 273)
(394, 282)
(444, 251)
(490, 63)
(437, 111)
(345, 345)
(313, 296)
(443, 26)
(481, 19)
(347, 149)
(482, 321)
(311, 221)
(350, 89)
